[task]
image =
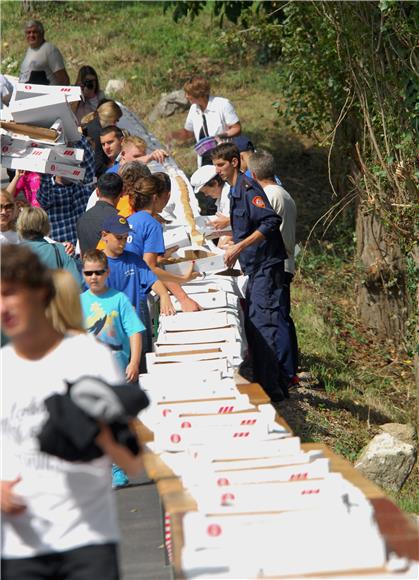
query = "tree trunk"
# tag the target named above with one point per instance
(382, 299)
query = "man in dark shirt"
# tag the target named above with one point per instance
(89, 225)
(259, 247)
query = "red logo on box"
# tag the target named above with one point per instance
(214, 530)
(175, 438)
(223, 481)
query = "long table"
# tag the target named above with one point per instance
(400, 534)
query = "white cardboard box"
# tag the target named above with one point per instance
(205, 226)
(176, 237)
(201, 265)
(42, 166)
(210, 300)
(16, 147)
(318, 469)
(202, 320)
(44, 111)
(27, 91)
(195, 337)
(230, 349)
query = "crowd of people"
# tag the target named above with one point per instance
(79, 260)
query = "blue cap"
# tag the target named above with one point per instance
(116, 224)
(243, 143)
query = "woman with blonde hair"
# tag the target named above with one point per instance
(8, 210)
(208, 116)
(64, 311)
(33, 227)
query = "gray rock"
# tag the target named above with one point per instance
(115, 86)
(169, 104)
(388, 459)
(405, 433)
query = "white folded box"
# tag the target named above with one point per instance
(27, 91)
(269, 462)
(231, 284)
(183, 437)
(230, 349)
(194, 370)
(176, 237)
(198, 320)
(209, 300)
(39, 165)
(202, 336)
(153, 359)
(187, 392)
(201, 265)
(204, 405)
(242, 448)
(14, 147)
(290, 543)
(205, 225)
(153, 381)
(44, 111)
(318, 469)
(274, 496)
(264, 414)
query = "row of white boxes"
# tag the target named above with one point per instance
(264, 506)
(45, 106)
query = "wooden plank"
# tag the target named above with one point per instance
(30, 131)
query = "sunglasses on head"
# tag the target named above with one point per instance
(89, 273)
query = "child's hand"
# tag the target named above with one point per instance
(131, 373)
(190, 274)
(166, 306)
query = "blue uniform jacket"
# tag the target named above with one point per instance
(250, 210)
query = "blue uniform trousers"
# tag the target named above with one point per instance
(293, 334)
(267, 324)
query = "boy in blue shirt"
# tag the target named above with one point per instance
(128, 273)
(109, 315)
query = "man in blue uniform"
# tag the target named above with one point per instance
(260, 250)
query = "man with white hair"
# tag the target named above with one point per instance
(262, 170)
(43, 63)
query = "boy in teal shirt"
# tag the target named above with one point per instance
(110, 316)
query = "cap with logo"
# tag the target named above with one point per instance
(202, 176)
(116, 224)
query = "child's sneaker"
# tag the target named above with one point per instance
(119, 477)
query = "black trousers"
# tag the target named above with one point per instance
(99, 562)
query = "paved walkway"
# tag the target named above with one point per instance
(140, 519)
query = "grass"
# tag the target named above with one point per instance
(363, 382)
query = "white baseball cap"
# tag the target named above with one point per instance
(202, 176)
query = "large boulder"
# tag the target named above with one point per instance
(169, 104)
(389, 457)
(115, 86)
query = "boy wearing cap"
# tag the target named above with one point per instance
(129, 273)
(206, 180)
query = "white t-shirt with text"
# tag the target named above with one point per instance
(69, 504)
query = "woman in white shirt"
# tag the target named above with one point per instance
(208, 116)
